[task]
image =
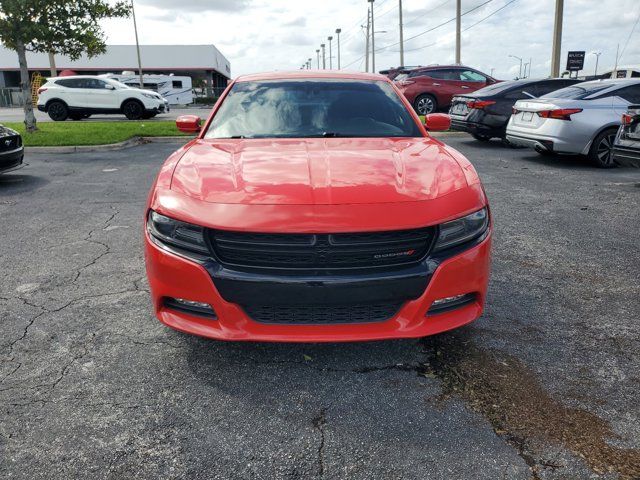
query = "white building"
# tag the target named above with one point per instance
(196, 61)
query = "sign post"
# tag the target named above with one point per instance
(575, 61)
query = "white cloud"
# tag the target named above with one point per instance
(262, 35)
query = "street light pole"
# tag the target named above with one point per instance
(318, 55)
(373, 39)
(401, 33)
(330, 38)
(557, 40)
(458, 30)
(324, 58)
(338, 30)
(597, 54)
(518, 58)
(135, 29)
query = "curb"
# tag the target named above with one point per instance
(132, 142)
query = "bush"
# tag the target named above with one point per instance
(205, 100)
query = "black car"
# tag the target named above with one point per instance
(485, 113)
(11, 150)
(626, 148)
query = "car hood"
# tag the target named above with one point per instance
(7, 132)
(317, 171)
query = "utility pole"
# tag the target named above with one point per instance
(557, 40)
(135, 29)
(309, 64)
(458, 29)
(52, 64)
(366, 47)
(318, 55)
(373, 39)
(401, 34)
(530, 65)
(324, 58)
(615, 69)
(338, 30)
(330, 38)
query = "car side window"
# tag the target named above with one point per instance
(417, 74)
(95, 84)
(630, 93)
(517, 93)
(544, 88)
(439, 74)
(70, 82)
(471, 76)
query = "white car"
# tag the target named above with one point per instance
(580, 119)
(78, 97)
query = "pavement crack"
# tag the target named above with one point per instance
(319, 423)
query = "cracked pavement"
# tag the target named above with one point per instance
(545, 385)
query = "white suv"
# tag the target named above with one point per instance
(78, 97)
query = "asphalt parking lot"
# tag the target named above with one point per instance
(545, 385)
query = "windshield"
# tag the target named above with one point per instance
(312, 108)
(576, 92)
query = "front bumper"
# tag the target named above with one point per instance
(173, 276)
(11, 160)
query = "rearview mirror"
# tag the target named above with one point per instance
(437, 122)
(189, 123)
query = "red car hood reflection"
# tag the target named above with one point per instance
(317, 171)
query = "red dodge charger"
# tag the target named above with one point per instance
(315, 207)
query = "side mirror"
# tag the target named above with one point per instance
(437, 122)
(109, 87)
(189, 123)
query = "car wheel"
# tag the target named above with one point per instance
(58, 111)
(133, 110)
(601, 152)
(425, 104)
(480, 138)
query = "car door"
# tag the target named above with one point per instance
(100, 94)
(470, 80)
(73, 92)
(445, 85)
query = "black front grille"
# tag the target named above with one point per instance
(10, 142)
(321, 251)
(322, 314)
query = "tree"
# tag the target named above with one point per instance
(69, 27)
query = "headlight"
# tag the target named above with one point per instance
(150, 95)
(175, 233)
(462, 230)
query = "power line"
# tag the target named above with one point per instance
(629, 37)
(436, 27)
(467, 28)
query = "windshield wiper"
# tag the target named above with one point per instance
(330, 134)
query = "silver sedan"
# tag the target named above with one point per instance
(580, 119)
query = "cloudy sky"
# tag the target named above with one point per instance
(261, 35)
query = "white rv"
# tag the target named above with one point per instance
(176, 89)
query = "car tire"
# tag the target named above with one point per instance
(480, 138)
(425, 104)
(58, 111)
(601, 151)
(133, 110)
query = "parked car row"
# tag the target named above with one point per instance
(78, 97)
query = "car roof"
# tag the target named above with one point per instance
(614, 82)
(53, 79)
(438, 67)
(300, 74)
